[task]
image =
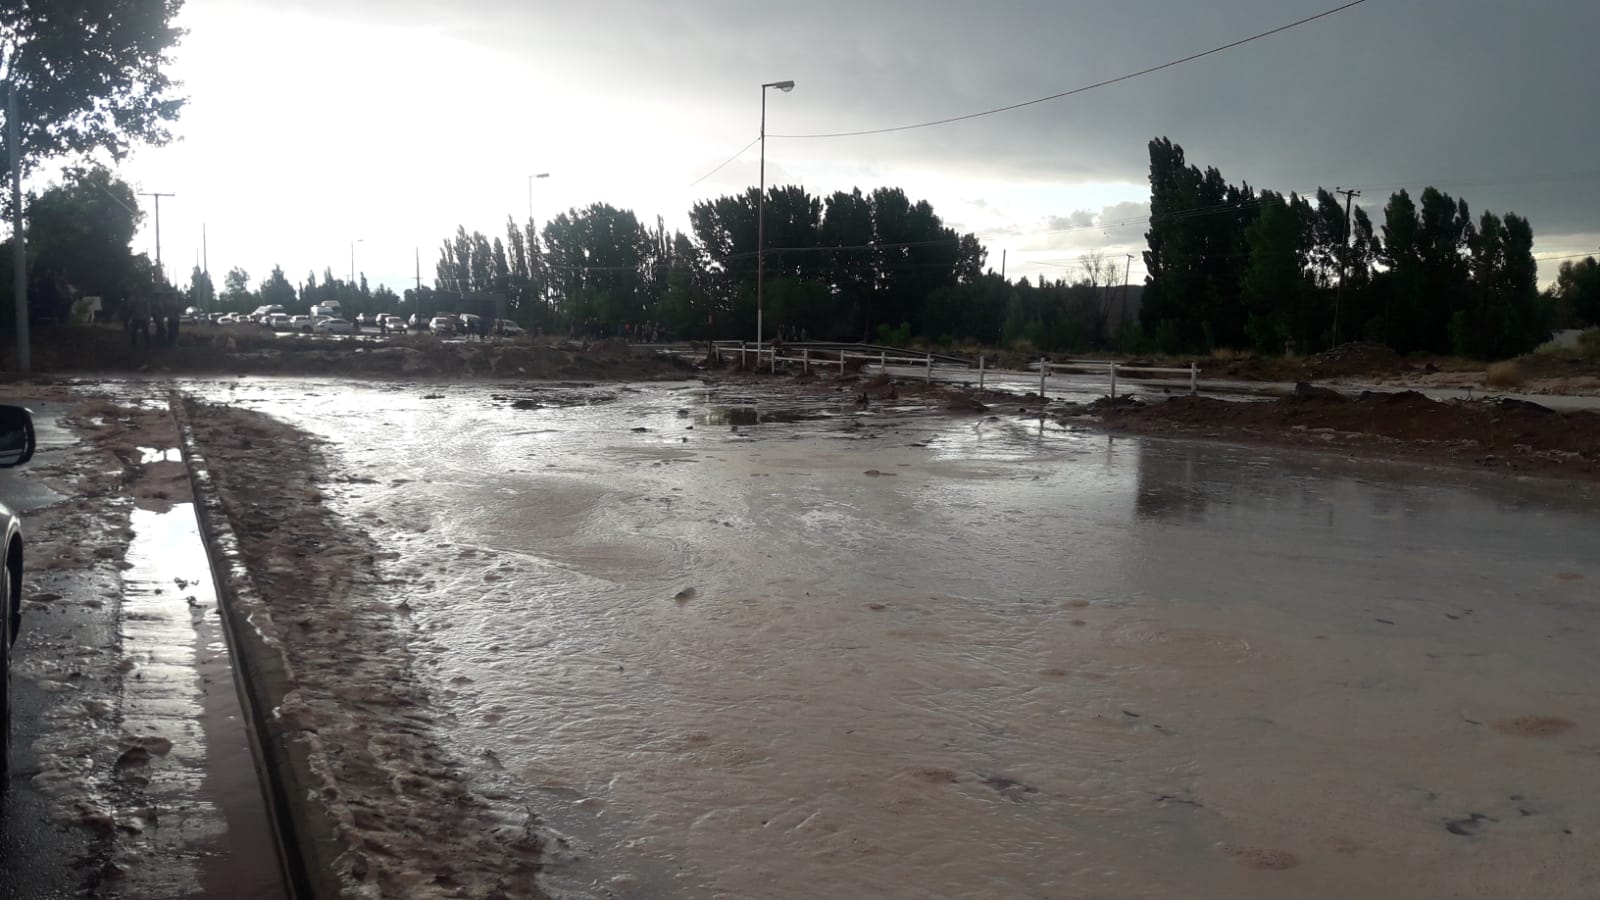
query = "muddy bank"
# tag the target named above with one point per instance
(245, 350)
(393, 816)
(1502, 435)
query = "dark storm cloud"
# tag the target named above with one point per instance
(1486, 95)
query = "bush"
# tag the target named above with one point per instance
(1589, 343)
(1504, 375)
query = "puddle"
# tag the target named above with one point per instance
(184, 752)
(148, 455)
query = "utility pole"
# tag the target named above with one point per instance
(1122, 315)
(530, 192)
(1344, 255)
(1002, 264)
(205, 267)
(161, 274)
(20, 264)
(419, 282)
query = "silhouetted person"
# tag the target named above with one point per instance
(161, 331)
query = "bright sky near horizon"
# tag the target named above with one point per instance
(318, 125)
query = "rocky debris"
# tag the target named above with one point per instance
(1305, 391)
(1347, 360)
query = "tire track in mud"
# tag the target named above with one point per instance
(379, 805)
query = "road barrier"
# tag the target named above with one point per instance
(770, 355)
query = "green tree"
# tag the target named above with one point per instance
(89, 74)
(79, 237)
(1274, 286)
(202, 293)
(1577, 293)
(1197, 253)
(276, 290)
(236, 289)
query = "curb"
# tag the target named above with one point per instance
(304, 832)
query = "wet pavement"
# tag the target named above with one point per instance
(132, 776)
(730, 647)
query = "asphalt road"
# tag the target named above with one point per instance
(40, 859)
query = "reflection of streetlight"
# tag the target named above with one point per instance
(353, 258)
(530, 190)
(761, 207)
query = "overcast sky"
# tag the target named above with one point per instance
(315, 123)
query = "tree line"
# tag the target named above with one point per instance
(838, 266)
(1230, 266)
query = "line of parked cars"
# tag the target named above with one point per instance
(328, 318)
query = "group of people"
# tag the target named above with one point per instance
(592, 329)
(152, 325)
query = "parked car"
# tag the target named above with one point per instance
(17, 444)
(300, 323)
(442, 325)
(509, 328)
(331, 325)
(393, 323)
(277, 321)
(262, 312)
(329, 309)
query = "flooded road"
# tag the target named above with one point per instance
(728, 648)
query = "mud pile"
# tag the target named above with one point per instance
(1503, 434)
(1349, 360)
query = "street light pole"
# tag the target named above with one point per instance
(761, 210)
(353, 261)
(530, 192)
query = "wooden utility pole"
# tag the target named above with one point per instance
(1127, 269)
(1344, 257)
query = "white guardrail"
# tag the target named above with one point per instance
(770, 356)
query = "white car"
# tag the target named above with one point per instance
(509, 328)
(442, 325)
(277, 321)
(393, 323)
(300, 323)
(330, 325)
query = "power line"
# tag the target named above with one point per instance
(725, 163)
(1083, 89)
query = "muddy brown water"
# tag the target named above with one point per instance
(1033, 663)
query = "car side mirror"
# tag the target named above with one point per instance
(17, 441)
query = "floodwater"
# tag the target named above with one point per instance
(823, 654)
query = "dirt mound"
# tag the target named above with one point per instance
(247, 351)
(1348, 360)
(1513, 435)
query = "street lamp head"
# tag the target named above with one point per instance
(542, 175)
(785, 86)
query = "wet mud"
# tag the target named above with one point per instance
(1036, 662)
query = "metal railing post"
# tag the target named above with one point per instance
(980, 373)
(1113, 379)
(841, 362)
(805, 361)
(930, 368)
(1194, 378)
(1044, 369)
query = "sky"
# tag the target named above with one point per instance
(318, 130)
